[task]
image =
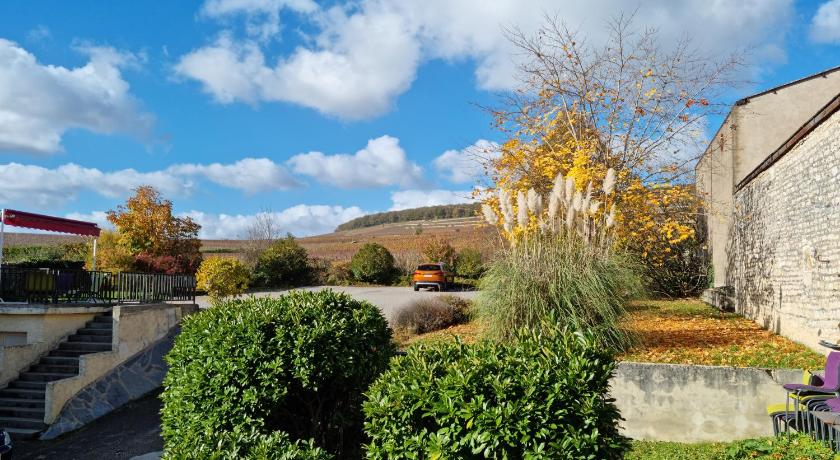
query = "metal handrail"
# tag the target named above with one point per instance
(57, 286)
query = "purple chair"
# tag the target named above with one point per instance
(830, 386)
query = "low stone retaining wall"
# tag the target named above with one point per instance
(136, 328)
(670, 402)
(134, 378)
(45, 327)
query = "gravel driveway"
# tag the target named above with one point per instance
(388, 298)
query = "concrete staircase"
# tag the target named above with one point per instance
(22, 401)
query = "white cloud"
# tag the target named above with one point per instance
(381, 163)
(300, 220)
(364, 54)
(466, 165)
(825, 26)
(97, 217)
(262, 16)
(39, 33)
(50, 187)
(407, 199)
(249, 174)
(39, 103)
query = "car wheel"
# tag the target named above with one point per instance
(442, 287)
(416, 288)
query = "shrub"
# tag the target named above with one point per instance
(169, 264)
(373, 263)
(284, 264)
(432, 314)
(543, 397)
(339, 273)
(222, 277)
(273, 373)
(780, 448)
(551, 275)
(468, 263)
(438, 250)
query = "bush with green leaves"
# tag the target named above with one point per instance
(222, 277)
(469, 263)
(561, 277)
(274, 375)
(544, 396)
(284, 264)
(373, 263)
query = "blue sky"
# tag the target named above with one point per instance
(316, 111)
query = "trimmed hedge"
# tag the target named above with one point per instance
(544, 396)
(221, 277)
(372, 263)
(284, 264)
(283, 375)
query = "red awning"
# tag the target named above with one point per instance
(53, 224)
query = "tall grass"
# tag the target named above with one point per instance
(559, 276)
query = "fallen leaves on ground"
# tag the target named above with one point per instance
(691, 332)
(469, 333)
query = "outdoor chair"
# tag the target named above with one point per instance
(829, 387)
(779, 415)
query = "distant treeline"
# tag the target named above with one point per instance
(449, 211)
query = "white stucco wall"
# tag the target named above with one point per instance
(45, 327)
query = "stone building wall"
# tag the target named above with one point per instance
(784, 259)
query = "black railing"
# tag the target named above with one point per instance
(53, 286)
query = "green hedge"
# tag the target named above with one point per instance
(373, 263)
(280, 374)
(544, 396)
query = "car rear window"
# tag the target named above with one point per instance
(428, 267)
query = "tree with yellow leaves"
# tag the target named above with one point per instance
(634, 106)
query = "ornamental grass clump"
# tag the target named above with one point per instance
(544, 396)
(273, 378)
(560, 263)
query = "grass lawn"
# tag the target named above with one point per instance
(795, 448)
(691, 332)
(682, 332)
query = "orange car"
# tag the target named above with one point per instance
(432, 275)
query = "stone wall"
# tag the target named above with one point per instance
(667, 402)
(132, 379)
(784, 259)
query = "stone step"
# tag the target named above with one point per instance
(22, 402)
(23, 393)
(90, 347)
(56, 368)
(69, 353)
(28, 385)
(43, 376)
(90, 338)
(94, 331)
(60, 361)
(23, 422)
(22, 433)
(24, 412)
(101, 325)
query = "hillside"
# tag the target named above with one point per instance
(404, 239)
(426, 213)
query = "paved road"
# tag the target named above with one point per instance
(388, 298)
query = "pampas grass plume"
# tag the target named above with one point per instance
(609, 182)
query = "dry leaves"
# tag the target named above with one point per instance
(690, 332)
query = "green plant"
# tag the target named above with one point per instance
(338, 273)
(469, 264)
(555, 275)
(542, 397)
(284, 264)
(222, 277)
(373, 263)
(287, 373)
(780, 448)
(432, 314)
